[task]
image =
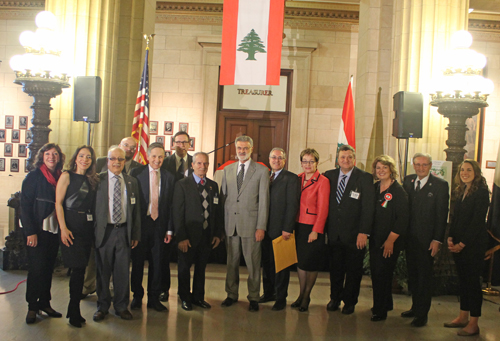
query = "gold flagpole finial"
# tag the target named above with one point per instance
(148, 38)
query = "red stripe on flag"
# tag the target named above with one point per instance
(348, 118)
(274, 42)
(228, 53)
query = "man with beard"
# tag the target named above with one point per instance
(128, 145)
(245, 188)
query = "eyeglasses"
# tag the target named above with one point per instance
(308, 162)
(181, 142)
(120, 159)
(126, 145)
(421, 164)
(279, 158)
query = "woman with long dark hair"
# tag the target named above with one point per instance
(468, 242)
(38, 217)
(75, 197)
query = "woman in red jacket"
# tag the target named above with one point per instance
(311, 220)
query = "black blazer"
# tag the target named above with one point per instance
(38, 199)
(352, 216)
(101, 165)
(468, 223)
(170, 166)
(428, 209)
(141, 173)
(284, 198)
(188, 212)
(394, 217)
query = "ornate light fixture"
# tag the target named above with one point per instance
(43, 75)
(460, 92)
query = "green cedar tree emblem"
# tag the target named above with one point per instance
(251, 44)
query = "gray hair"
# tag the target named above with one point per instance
(200, 153)
(113, 148)
(279, 149)
(155, 145)
(244, 138)
(428, 156)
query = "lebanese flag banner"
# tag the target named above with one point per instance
(252, 33)
(347, 131)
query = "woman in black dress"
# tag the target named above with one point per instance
(468, 242)
(40, 227)
(75, 196)
(391, 220)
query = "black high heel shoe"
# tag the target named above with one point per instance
(305, 305)
(297, 303)
(51, 312)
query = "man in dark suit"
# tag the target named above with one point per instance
(128, 144)
(350, 218)
(429, 199)
(199, 224)
(284, 197)
(156, 188)
(117, 231)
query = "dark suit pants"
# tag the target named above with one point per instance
(113, 258)
(273, 283)
(420, 265)
(150, 248)
(41, 261)
(469, 269)
(382, 270)
(197, 255)
(165, 266)
(346, 272)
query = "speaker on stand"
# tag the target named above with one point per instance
(87, 101)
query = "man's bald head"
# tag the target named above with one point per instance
(128, 145)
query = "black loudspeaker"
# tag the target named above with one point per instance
(409, 111)
(87, 99)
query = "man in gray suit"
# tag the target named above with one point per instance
(245, 188)
(117, 231)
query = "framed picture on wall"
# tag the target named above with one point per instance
(2, 135)
(184, 127)
(7, 149)
(161, 139)
(28, 136)
(22, 150)
(191, 143)
(26, 170)
(14, 165)
(153, 127)
(9, 122)
(2, 165)
(169, 128)
(172, 144)
(168, 153)
(23, 122)
(15, 136)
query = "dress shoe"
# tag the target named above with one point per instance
(455, 324)
(376, 318)
(465, 333)
(186, 306)
(254, 306)
(408, 313)
(279, 305)
(51, 312)
(164, 296)
(31, 317)
(136, 304)
(348, 309)
(202, 304)
(333, 305)
(304, 306)
(419, 321)
(84, 296)
(100, 315)
(297, 303)
(75, 322)
(265, 299)
(228, 302)
(156, 305)
(124, 315)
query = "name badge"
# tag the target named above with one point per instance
(216, 201)
(355, 195)
(132, 201)
(89, 217)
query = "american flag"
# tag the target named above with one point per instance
(140, 126)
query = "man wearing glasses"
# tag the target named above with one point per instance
(429, 198)
(128, 145)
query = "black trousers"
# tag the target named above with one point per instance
(150, 248)
(420, 265)
(382, 270)
(41, 261)
(197, 255)
(165, 266)
(469, 269)
(346, 272)
(75, 291)
(274, 284)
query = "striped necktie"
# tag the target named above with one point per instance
(341, 188)
(239, 178)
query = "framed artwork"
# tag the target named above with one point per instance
(23, 122)
(169, 128)
(7, 149)
(168, 153)
(28, 137)
(184, 127)
(15, 135)
(191, 143)
(153, 127)
(2, 135)
(161, 139)
(2, 165)
(26, 170)
(14, 165)
(9, 122)
(172, 144)
(474, 136)
(22, 150)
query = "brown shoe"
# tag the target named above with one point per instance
(455, 324)
(99, 315)
(31, 317)
(124, 315)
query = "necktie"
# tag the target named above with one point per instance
(202, 182)
(154, 194)
(180, 170)
(341, 188)
(418, 186)
(117, 200)
(239, 178)
(204, 203)
(271, 179)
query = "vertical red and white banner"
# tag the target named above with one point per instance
(347, 131)
(140, 126)
(252, 34)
